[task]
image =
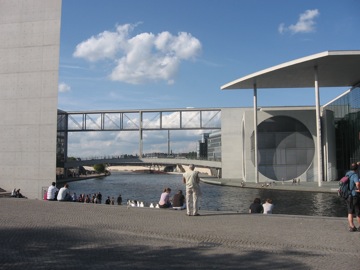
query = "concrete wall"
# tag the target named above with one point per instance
(29, 63)
(231, 143)
(329, 146)
(307, 116)
(236, 130)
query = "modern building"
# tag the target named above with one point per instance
(326, 69)
(29, 67)
(286, 144)
(202, 151)
(214, 146)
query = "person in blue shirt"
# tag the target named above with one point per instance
(353, 201)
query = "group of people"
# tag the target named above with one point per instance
(63, 194)
(16, 193)
(296, 182)
(177, 202)
(190, 202)
(257, 207)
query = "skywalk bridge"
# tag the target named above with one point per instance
(138, 121)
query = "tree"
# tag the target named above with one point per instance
(99, 168)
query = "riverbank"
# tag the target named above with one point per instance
(124, 168)
(39, 234)
(326, 187)
(80, 178)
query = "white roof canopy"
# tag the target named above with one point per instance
(335, 69)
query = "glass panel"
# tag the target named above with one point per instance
(285, 148)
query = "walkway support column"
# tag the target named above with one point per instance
(140, 134)
(66, 144)
(255, 136)
(318, 128)
(168, 142)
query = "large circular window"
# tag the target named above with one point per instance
(285, 148)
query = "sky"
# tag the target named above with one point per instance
(140, 54)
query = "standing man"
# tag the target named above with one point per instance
(353, 201)
(191, 180)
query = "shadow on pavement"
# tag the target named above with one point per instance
(84, 248)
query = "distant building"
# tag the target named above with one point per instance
(61, 142)
(214, 146)
(202, 149)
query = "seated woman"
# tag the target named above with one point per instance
(165, 199)
(256, 207)
(178, 201)
(268, 206)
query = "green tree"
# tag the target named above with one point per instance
(99, 168)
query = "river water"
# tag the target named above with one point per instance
(148, 187)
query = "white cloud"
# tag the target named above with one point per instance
(141, 58)
(305, 24)
(63, 87)
(103, 46)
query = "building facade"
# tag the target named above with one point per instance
(202, 149)
(29, 67)
(214, 146)
(346, 110)
(286, 144)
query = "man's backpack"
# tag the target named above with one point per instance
(344, 187)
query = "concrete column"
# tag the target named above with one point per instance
(318, 129)
(255, 137)
(168, 142)
(140, 134)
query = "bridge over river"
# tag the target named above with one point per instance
(145, 162)
(139, 121)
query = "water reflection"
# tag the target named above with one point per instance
(148, 187)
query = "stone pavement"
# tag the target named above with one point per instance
(38, 234)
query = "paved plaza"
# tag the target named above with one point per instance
(38, 234)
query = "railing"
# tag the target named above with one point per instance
(133, 120)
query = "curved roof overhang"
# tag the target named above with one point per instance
(334, 69)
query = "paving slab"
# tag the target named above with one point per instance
(38, 234)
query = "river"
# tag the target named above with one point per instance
(148, 187)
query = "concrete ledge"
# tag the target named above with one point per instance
(327, 187)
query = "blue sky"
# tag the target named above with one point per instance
(140, 54)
